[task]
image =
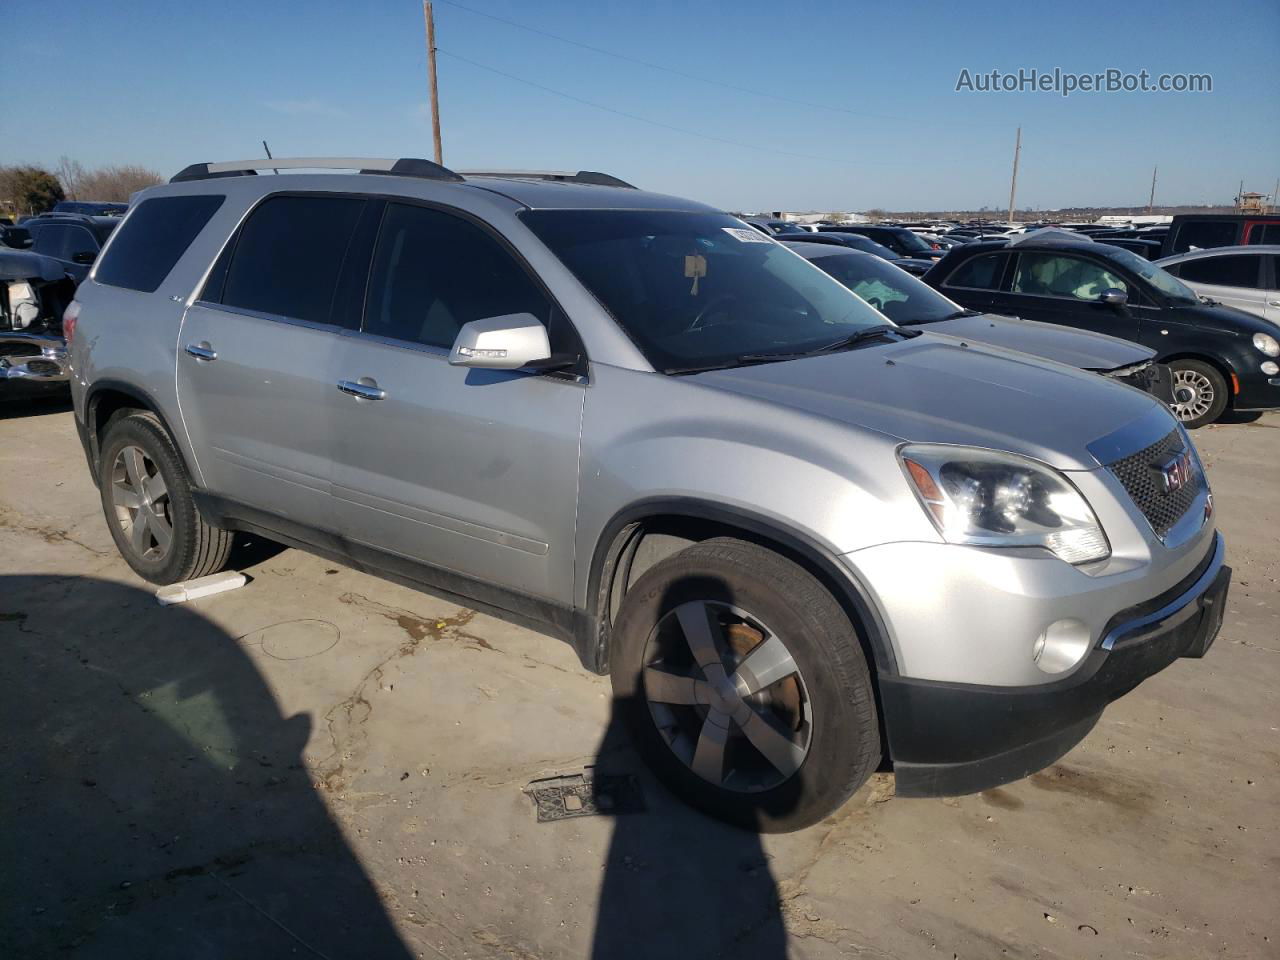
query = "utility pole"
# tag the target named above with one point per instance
(1013, 186)
(1152, 201)
(1275, 198)
(431, 70)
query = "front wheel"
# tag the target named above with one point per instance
(1199, 392)
(745, 686)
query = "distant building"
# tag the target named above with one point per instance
(1252, 202)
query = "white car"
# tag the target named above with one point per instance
(1247, 278)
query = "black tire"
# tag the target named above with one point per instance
(1205, 377)
(195, 547)
(840, 726)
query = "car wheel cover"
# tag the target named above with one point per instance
(727, 696)
(1193, 394)
(142, 506)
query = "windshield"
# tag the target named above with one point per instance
(858, 242)
(697, 290)
(1158, 277)
(912, 243)
(894, 292)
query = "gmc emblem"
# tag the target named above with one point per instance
(1176, 472)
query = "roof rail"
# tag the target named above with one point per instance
(403, 167)
(559, 176)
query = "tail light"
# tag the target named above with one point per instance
(69, 318)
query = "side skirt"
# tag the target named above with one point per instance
(566, 623)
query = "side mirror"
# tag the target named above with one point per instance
(84, 257)
(501, 343)
(1114, 297)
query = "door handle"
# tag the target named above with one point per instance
(362, 391)
(1273, 303)
(202, 351)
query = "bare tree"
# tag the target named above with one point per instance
(71, 173)
(116, 183)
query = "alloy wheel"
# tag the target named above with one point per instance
(141, 501)
(1193, 394)
(727, 696)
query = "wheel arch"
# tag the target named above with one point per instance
(103, 401)
(694, 520)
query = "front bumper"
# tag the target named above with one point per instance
(33, 363)
(954, 738)
(1257, 392)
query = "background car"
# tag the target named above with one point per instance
(1200, 231)
(92, 208)
(1247, 278)
(34, 292)
(73, 239)
(910, 302)
(773, 228)
(898, 239)
(855, 241)
(1221, 357)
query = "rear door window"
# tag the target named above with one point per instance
(152, 240)
(288, 256)
(979, 273)
(1242, 270)
(1203, 234)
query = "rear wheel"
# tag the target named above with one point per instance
(1199, 392)
(745, 686)
(146, 497)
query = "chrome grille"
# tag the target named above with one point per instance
(1140, 475)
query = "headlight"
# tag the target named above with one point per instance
(1267, 344)
(992, 499)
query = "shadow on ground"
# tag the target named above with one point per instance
(676, 882)
(153, 796)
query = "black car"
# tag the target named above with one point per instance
(856, 241)
(1221, 357)
(1199, 231)
(34, 292)
(909, 302)
(898, 239)
(92, 208)
(72, 239)
(1147, 249)
(773, 228)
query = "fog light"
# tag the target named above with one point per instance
(1063, 644)
(1270, 368)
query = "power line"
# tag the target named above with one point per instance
(672, 70)
(655, 123)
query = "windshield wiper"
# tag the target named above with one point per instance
(878, 332)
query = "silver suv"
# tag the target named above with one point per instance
(803, 541)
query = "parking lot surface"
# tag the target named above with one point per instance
(326, 764)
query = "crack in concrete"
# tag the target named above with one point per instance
(13, 520)
(345, 719)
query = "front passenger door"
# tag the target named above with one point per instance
(1067, 290)
(471, 471)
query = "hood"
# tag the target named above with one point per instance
(915, 265)
(20, 265)
(1076, 348)
(933, 389)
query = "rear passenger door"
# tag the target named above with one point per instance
(474, 472)
(257, 358)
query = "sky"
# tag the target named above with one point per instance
(749, 105)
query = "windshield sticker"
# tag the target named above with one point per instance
(746, 234)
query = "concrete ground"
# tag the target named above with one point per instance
(325, 764)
